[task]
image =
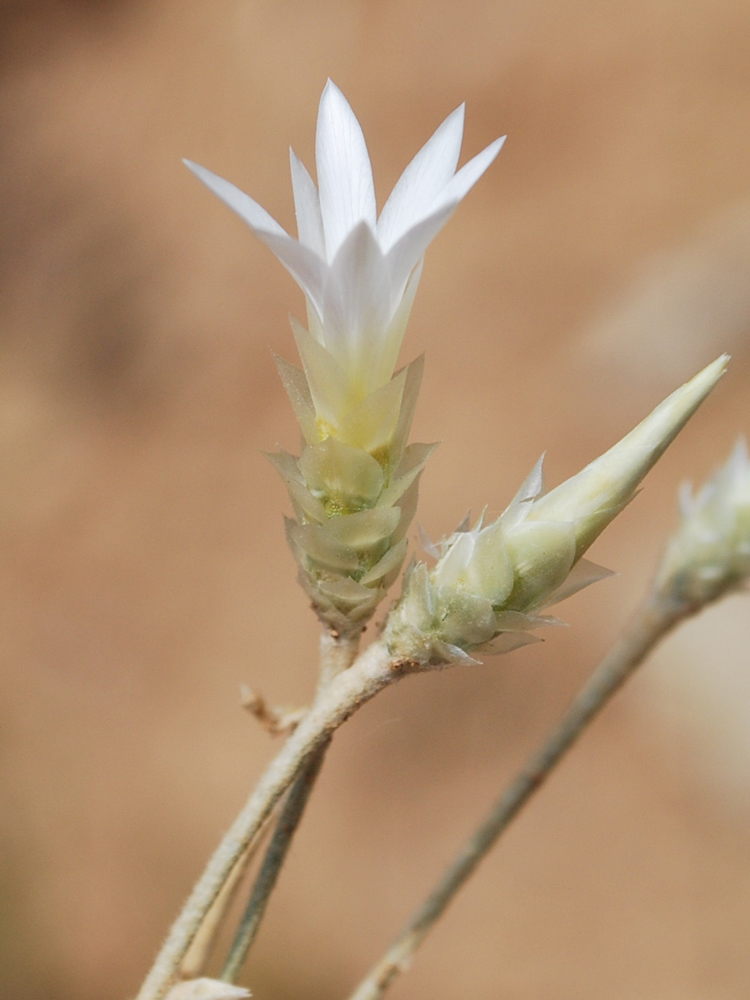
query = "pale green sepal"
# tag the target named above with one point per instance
(315, 542)
(329, 385)
(418, 601)
(506, 642)
(307, 507)
(583, 574)
(517, 621)
(410, 468)
(345, 591)
(412, 384)
(407, 505)
(542, 554)
(298, 391)
(532, 486)
(446, 653)
(370, 424)
(451, 570)
(286, 465)
(345, 479)
(384, 361)
(490, 572)
(365, 530)
(387, 569)
(466, 620)
(346, 621)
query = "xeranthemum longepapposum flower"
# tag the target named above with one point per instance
(709, 553)
(354, 488)
(359, 272)
(490, 584)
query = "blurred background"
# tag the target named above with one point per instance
(603, 259)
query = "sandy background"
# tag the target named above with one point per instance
(602, 260)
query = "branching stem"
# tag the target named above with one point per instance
(289, 820)
(656, 617)
(336, 655)
(346, 692)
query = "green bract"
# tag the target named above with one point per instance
(490, 583)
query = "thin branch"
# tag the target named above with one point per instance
(372, 671)
(275, 720)
(655, 619)
(196, 957)
(336, 655)
(264, 885)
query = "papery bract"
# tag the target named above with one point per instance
(491, 582)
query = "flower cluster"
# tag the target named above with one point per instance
(490, 583)
(709, 553)
(354, 487)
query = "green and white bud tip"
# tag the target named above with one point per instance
(709, 553)
(490, 583)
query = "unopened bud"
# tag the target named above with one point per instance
(709, 554)
(491, 582)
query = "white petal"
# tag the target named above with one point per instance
(388, 347)
(305, 266)
(357, 300)
(307, 206)
(347, 192)
(256, 217)
(404, 256)
(459, 186)
(423, 180)
(411, 246)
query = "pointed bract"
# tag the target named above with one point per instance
(490, 582)
(709, 554)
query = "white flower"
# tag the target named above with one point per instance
(359, 272)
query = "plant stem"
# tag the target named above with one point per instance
(336, 655)
(656, 617)
(371, 672)
(264, 884)
(196, 957)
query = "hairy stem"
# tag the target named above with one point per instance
(373, 671)
(196, 957)
(336, 655)
(277, 850)
(656, 617)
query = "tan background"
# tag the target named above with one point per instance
(601, 261)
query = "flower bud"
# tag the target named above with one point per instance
(709, 554)
(490, 583)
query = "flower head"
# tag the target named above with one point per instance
(354, 488)
(709, 553)
(490, 583)
(359, 272)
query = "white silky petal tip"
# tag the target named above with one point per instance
(593, 497)
(207, 989)
(359, 273)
